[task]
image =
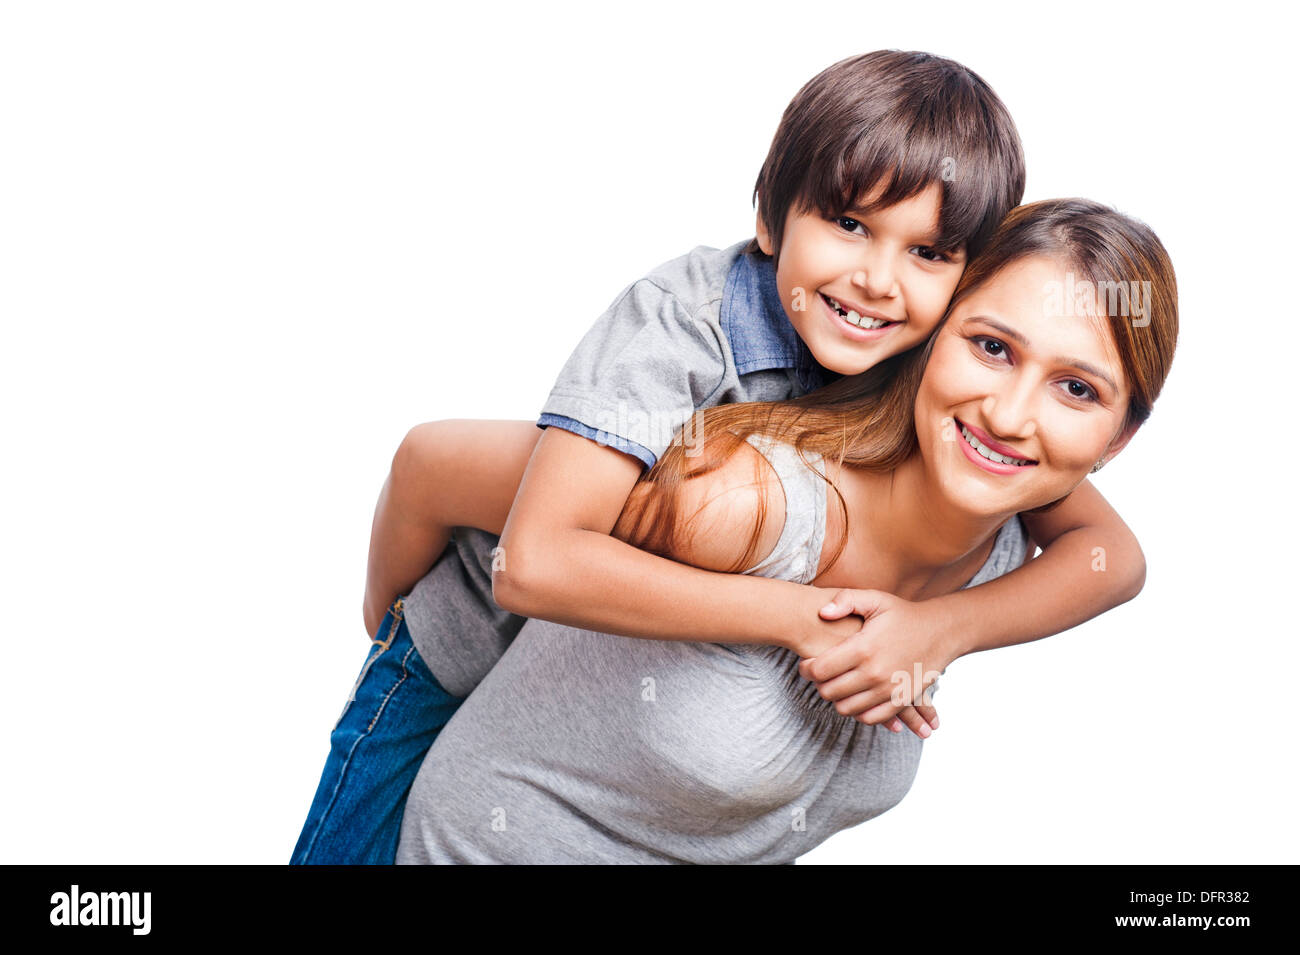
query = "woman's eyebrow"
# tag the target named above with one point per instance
(1023, 342)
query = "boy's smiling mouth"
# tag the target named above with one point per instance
(867, 321)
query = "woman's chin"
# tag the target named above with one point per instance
(987, 495)
(985, 506)
(994, 505)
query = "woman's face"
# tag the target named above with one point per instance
(1019, 401)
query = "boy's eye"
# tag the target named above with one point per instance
(849, 225)
(930, 255)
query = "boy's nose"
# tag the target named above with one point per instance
(876, 280)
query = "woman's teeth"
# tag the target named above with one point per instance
(989, 453)
(853, 318)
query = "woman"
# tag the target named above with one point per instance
(582, 748)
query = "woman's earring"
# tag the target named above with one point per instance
(1098, 466)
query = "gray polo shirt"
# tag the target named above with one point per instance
(705, 329)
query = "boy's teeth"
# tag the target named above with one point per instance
(854, 318)
(987, 452)
(863, 322)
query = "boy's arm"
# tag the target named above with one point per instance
(1090, 563)
(560, 563)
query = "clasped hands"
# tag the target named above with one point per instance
(882, 673)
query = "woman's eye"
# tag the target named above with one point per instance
(1078, 389)
(849, 225)
(990, 347)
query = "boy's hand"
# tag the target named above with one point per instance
(921, 720)
(886, 666)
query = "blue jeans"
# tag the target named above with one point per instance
(395, 712)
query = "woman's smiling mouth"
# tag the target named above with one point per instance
(854, 325)
(976, 445)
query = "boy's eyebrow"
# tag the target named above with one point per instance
(1023, 342)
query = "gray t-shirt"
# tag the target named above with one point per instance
(582, 747)
(705, 329)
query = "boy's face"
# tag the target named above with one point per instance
(861, 287)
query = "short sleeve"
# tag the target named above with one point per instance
(638, 374)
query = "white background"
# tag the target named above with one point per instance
(244, 246)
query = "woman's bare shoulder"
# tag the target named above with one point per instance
(719, 511)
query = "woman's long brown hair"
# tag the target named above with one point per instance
(866, 421)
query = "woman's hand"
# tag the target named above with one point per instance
(883, 670)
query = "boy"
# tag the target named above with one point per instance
(888, 171)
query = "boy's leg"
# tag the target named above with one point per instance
(389, 722)
(398, 706)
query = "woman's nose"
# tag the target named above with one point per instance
(1011, 411)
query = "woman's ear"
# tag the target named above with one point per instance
(761, 233)
(1121, 439)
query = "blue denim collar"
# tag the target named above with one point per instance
(758, 329)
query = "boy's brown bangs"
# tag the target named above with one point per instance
(907, 162)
